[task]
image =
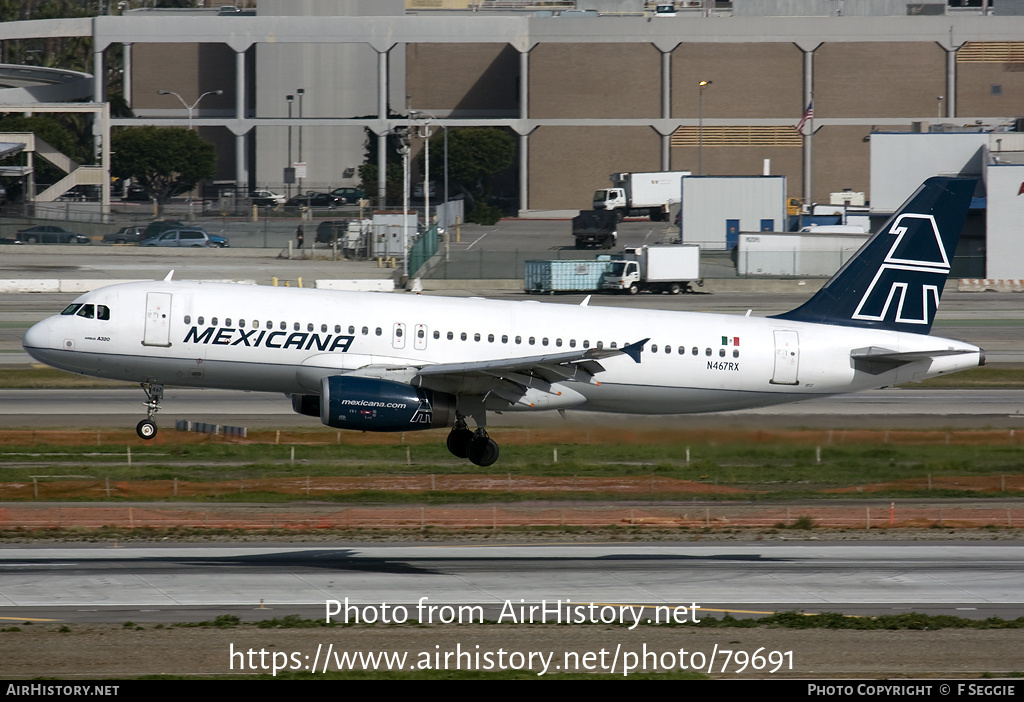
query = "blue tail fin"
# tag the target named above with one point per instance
(896, 279)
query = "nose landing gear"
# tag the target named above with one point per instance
(147, 429)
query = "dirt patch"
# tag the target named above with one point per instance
(100, 650)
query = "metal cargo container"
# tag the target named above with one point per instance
(768, 253)
(565, 276)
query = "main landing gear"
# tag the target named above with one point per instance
(479, 448)
(146, 429)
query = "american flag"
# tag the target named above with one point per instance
(808, 116)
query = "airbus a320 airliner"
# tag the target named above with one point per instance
(386, 362)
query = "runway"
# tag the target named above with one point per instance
(180, 583)
(890, 408)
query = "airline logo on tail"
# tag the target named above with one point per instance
(909, 283)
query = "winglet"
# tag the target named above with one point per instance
(586, 301)
(633, 350)
(169, 276)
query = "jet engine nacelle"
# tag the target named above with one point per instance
(370, 404)
(308, 405)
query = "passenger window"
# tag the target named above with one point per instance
(295, 326)
(241, 324)
(201, 321)
(398, 333)
(721, 352)
(213, 322)
(476, 337)
(572, 343)
(379, 331)
(519, 339)
(735, 353)
(450, 336)
(586, 344)
(323, 328)
(695, 352)
(420, 333)
(532, 341)
(707, 352)
(615, 344)
(544, 341)
(227, 322)
(504, 338)
(437, 335)
(365, 330)
(558, 342)
(188, 319)
(462, 336)
(284, 325)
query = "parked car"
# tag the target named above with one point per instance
(348, 196)
(192, 238)
(49, 234)
(266, 198)
(312, 199)
(136, 193)
(125, 235)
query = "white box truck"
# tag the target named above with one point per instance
(641, 194)
(668, 269)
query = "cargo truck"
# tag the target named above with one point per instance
(669, 269)
(641, 194)
(597, 228)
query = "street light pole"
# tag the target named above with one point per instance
(300, 92)
(427, 174)
(700, 125)
(289, 99)
(189, 108)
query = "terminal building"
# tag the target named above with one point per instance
(586, 88)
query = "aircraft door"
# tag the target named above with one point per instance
(398, 336)
(787, 358)
(420, 339)
(158, 320)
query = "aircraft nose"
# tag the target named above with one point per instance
(37, 339)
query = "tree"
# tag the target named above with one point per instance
(475, 156)
(164, 161)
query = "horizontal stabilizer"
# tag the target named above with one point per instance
(877, 360)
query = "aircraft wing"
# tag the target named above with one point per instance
(527, 381)
(550, 367)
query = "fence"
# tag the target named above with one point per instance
(805, 519)
(422, 249)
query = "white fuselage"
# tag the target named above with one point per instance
(286, 339)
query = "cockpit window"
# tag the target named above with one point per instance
(87, 311)
(102, 312)
(72, 308)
